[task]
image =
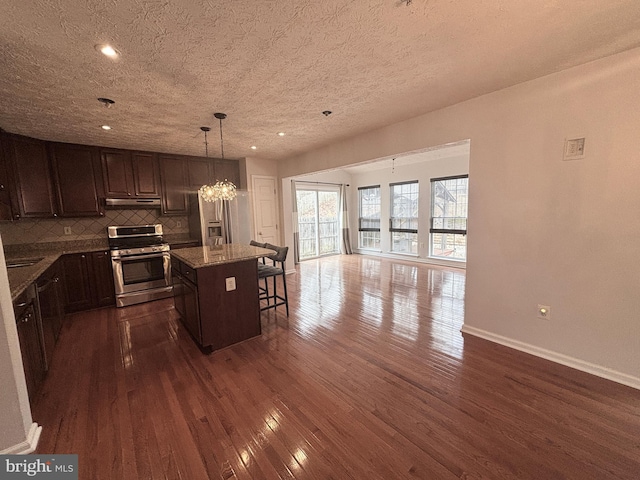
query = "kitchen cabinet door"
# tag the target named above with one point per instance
(30, 348)
(130, 174)
(173, 175)
(34, 182)
(117, 173)
(178, 293)
(77, 281)
(88, 279)
(78, 179)
(146, 182)
(228, 170)
(104, 294)
(6, 210)
(200, 172)
(191, 317)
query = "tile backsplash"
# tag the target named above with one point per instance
(44, 230)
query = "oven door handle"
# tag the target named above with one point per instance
(140, 257)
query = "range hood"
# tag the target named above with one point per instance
(133, 202)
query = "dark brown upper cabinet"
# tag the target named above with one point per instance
(34, 189)
(6, 209)
(174, 179)
(146, 178)
(78, 179)
(201, 171)
(227, 170)
(130, 174)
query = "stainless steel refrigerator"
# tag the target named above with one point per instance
(222, 221)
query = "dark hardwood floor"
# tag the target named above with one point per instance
(369, 378)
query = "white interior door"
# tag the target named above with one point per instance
(265, 201)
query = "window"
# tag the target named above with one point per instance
(448, 233)
(403, 223)
(318, 221)
(369, 217)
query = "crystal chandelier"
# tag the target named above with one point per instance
(221, 190)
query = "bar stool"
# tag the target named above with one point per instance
(266, 271)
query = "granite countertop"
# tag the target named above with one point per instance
(199, 257)
(21, 277)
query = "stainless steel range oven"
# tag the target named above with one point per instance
(141, 264)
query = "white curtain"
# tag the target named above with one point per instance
(345, 244)
(294, 223)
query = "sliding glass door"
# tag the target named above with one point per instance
(318, 221)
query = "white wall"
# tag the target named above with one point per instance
(18, 433)
(542, 230)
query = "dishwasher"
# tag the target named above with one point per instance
(50, 310)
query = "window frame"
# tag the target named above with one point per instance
(393, 230)
(391, 217)
(361, 229)
(452, 231)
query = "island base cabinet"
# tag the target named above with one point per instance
(229, 317)
(215, 316)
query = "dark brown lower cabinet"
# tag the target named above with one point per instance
(88, 279)
(30, 339)
(103, 290)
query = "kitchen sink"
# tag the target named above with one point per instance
(26, 262)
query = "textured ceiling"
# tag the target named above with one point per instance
(275, 65)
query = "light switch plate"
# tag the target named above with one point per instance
(230, 283)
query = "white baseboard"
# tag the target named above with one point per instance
(29, 445)
(412, 258)
(576, 363)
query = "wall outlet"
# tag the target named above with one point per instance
(544, 312)
(67, 230)
(230, 283)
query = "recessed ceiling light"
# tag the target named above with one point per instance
(281, 134)
(106, 127)
(253, 147)
(107, 50)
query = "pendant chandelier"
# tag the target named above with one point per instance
(221, 190)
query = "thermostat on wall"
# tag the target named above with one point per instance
(573, 148)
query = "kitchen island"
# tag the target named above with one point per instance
(216, 293)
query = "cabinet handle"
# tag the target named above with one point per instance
(129, 193)
(20, 305)
(55, 214)
(102, 214)
(17, 215)
(82, 256)
(1, 186)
